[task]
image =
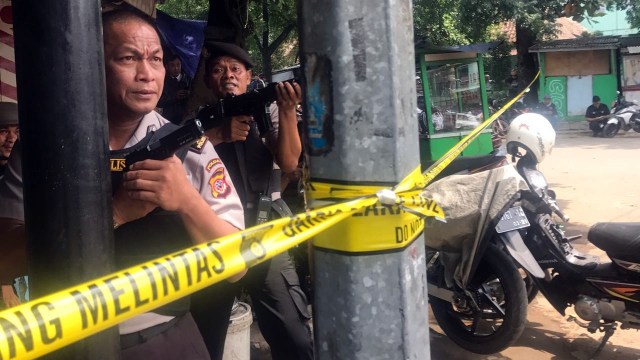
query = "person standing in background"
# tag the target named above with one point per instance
(177, 87)
(9, 134)
(9, 131)
(548, 109)
(514, 84)
(254, 161)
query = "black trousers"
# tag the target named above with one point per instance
(211, 309)
(181, 341)
(596, 126)
(279, 304)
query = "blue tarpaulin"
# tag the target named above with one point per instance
(184, 38)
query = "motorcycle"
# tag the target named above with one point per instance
(480, 302)
(625, 115)
(604, 294)
(476, 292)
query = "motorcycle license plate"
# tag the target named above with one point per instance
(513, 219)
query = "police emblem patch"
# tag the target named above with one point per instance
(220, 189)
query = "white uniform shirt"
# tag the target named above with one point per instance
(208, 175)
(205, 171)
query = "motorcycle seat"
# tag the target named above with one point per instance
(619, 240)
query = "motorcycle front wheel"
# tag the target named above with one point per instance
(610, 130)
(500, 317)
(635, 122)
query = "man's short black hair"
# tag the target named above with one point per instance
(596, 98)
(127, 14)
(170, 57)
(8, 114)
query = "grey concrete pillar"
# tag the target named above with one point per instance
(63, 127)
(360, 102)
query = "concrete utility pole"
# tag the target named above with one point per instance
(360, 102)
(63, 126)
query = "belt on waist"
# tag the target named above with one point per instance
(138, 337)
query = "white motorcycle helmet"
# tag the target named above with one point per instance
(534, 133)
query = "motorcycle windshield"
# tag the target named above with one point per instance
(472, 205)
(536, 179)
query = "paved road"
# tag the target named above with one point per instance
(595, 180)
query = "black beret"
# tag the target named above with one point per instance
(217, 48)
(8, 113)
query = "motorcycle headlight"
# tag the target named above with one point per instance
(536, 179)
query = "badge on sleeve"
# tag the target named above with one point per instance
(220, 188)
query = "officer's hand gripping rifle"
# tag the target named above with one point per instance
(170, 139)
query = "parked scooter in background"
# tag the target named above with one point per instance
(604, 294)
(625, 115)
(476, 291)
(477, 295)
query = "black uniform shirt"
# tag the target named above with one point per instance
(594, 112)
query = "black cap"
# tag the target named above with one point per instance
(596, 99)
(217, 48)
(8, 113)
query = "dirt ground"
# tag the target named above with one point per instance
(596, 180)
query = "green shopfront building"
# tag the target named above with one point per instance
(454, 100)
(573, 71)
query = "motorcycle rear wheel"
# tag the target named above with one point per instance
(497, 284)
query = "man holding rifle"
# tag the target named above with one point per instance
(190, 206)
(162, 205)
(254, 154)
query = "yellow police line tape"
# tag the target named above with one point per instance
(394, 227)
(49, 323)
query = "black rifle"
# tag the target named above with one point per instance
(169, 139)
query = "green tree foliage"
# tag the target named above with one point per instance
(460, 21)
(633, 10)
(537, 15)
(438, 22)
(268, 27)
(186, 9)
(272, 34)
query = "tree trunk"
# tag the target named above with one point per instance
(226, 21)
(527, 69)
(265, 49)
